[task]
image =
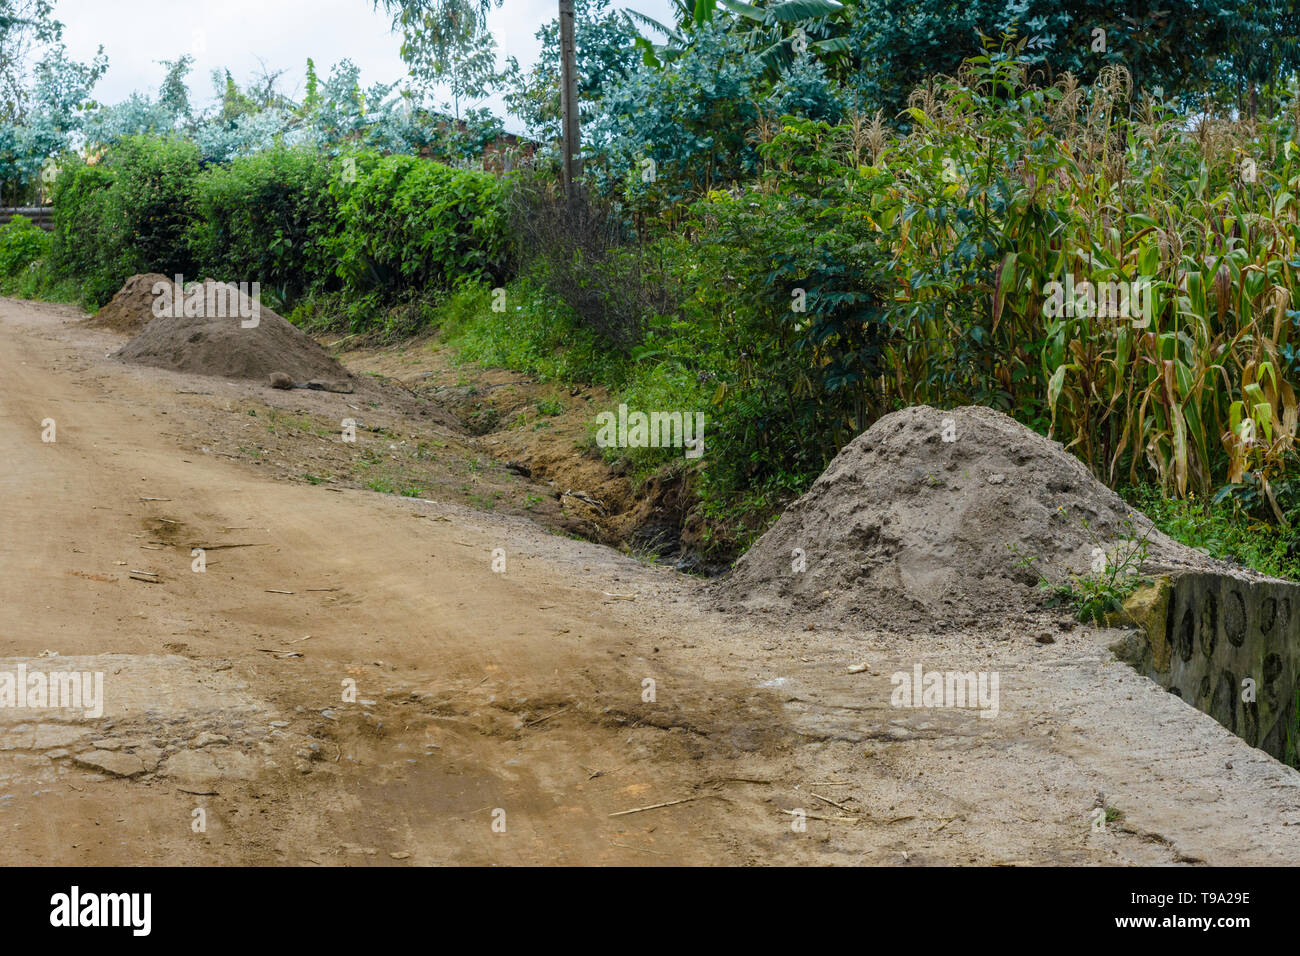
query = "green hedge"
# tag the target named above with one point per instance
(84, 232)
(407, 224)
(128, 215)
(22, 243)
(292, 220)
(267, 218)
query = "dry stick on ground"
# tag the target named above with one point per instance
(547, 717)
(467, 689)
(595, 503)
(654, 806)
(640, 849)
(838, 806)
(814, 816)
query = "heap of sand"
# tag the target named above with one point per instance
(910, 525)
(232, 337)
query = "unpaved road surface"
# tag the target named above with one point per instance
(515, 698)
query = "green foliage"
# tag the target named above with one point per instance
(174, 96)
(311, 98)
(776, 31)
(1224, 530)
(582, 249)
(1199, 47)
(605, 55)
(410, 223)
(795, 273)
(692, 122)
(266, 218)
(153, 200)
(86, 235)
(21, 244)
(1100, 592)
(535, 334)
(448, 48)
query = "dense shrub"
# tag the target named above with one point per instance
(22, 243)
(692, 122)
(1223, 529)
(129, 215)
(411, 224)
(792, 289)
(266, 218)
(154, 198)
(585, 253)
(87, 237)
(535, 333)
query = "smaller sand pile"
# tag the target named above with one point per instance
(132, 308)
(218, 343)
(905, 528)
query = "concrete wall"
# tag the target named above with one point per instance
(1206, 633)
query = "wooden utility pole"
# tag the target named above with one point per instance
(571, 164)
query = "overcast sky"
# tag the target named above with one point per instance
(233, 34)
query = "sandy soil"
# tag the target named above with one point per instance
(484, 696)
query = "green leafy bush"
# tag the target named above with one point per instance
(791, 283)
(266, 218)
(85, 244)
(407, 223)
(129, 215)
(1223, 529)
(154, 200)
(21, 244)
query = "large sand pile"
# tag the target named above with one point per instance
(907, 528)
(222, 347)
(132, 308)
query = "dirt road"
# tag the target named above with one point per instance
(505, 716)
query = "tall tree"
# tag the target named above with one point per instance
(174, 95)
(606, 55)
(25, 27)
(452, 50)
(413, 18)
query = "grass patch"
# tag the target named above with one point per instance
(534, 334)
(1223, 530)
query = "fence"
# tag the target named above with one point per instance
(42, 216)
